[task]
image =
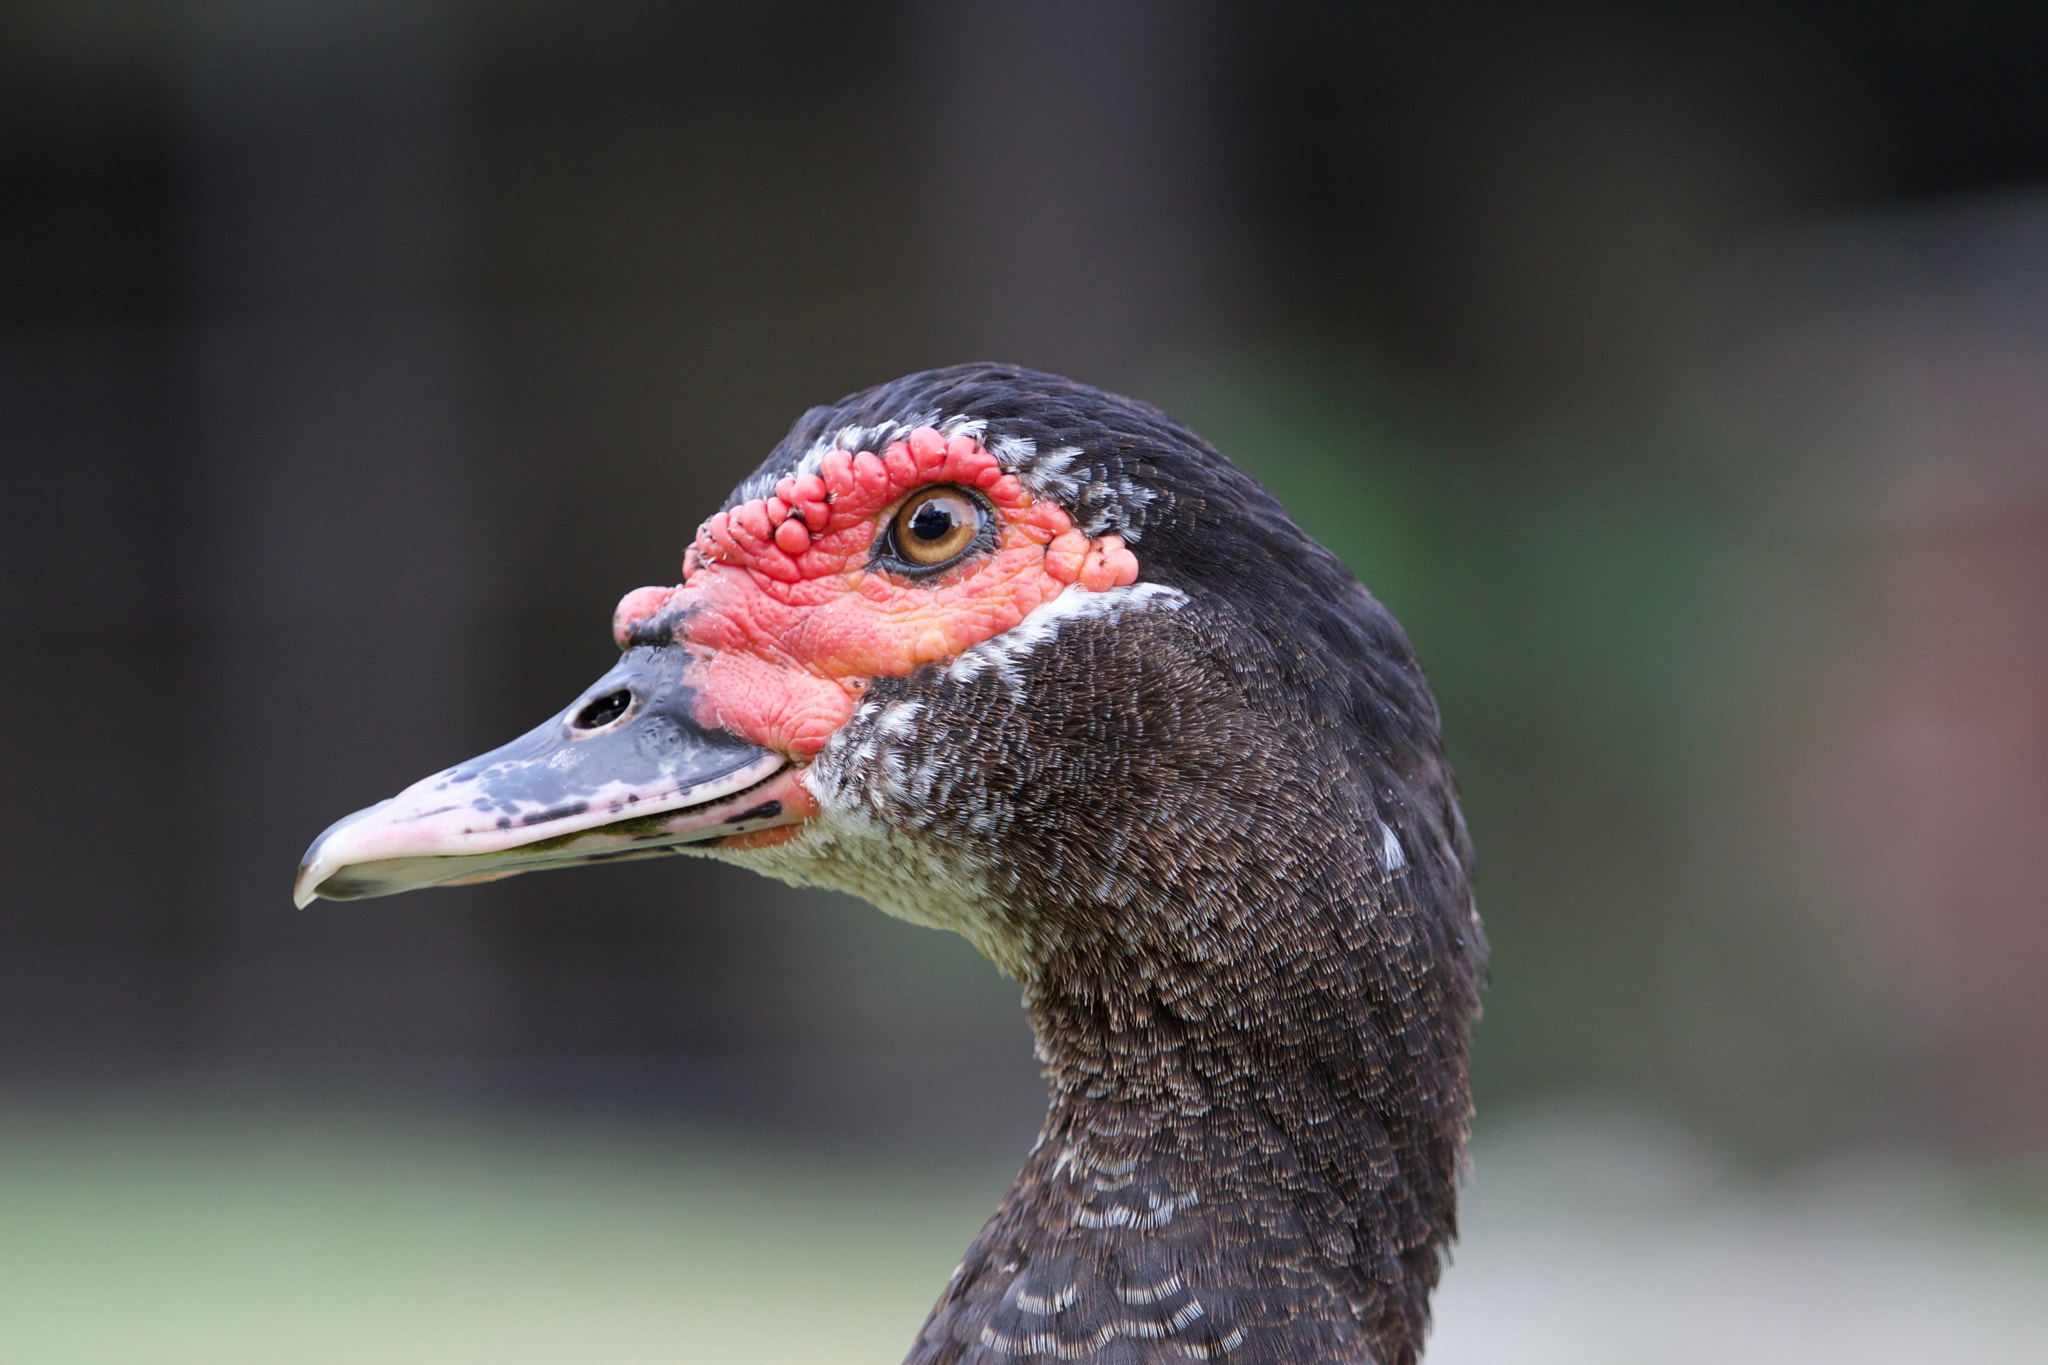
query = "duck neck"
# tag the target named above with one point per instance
(1243, 1158)
(1269, 1094)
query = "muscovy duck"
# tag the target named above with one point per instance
(1012, 656)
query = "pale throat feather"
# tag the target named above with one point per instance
(883, 762)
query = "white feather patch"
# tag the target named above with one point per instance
(1001, 653)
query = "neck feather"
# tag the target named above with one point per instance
(1249, 1155)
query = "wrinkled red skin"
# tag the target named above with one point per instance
(791, 622)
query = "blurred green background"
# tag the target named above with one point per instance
(1675, 372)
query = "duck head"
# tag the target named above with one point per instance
(1008, 655)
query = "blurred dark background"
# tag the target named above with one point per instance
(1678, 372)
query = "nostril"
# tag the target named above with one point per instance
(602, 711)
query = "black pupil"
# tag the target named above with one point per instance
(931, 522)
(604, 710)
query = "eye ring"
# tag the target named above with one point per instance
(935, 526)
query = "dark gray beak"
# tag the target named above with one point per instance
(625, 771)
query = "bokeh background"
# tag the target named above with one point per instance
(1678, 372)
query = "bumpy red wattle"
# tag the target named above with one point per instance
(778, 594)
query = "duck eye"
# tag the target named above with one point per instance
(934, 526)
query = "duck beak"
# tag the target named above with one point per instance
(625, 771)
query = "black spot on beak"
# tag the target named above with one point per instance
(541, 817)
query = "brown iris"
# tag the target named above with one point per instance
(933, 526)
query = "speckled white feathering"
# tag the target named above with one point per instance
(1000, 654)
(856, 843)
(1047, 475)
(1099, 502)
(874, 769)
(853, 439)
(1159, 1309)
(845, 847)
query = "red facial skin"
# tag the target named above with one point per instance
(790, 622)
